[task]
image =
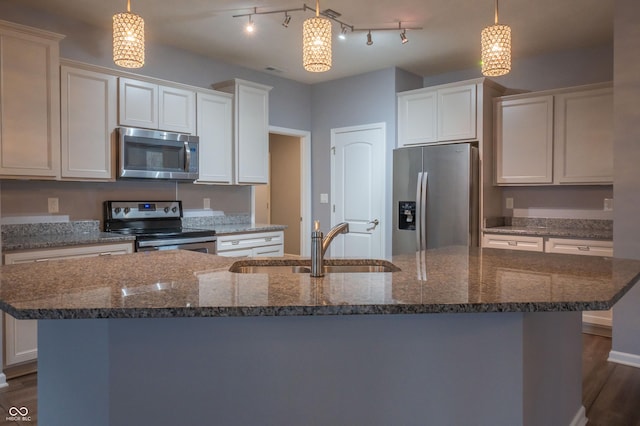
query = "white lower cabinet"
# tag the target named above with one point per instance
(21, 336)
(255, 244)
(582, 247)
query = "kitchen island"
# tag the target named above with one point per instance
(458, 336)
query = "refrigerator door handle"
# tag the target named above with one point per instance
(423, 210)
(418, 212)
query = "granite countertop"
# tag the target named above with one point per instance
(540, 231)
(188, 284)
(239, 228)
(596, 229)
(51, 235)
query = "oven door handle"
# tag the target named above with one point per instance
(175, 241)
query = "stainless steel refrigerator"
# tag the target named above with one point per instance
(435, 197)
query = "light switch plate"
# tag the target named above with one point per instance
(53, 205)
(206, 203)
(608, 204)
(324, 198)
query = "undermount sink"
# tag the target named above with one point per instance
(295, 266)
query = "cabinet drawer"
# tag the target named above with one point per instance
(235, 253)
(251, 240)
(268, 251)
(513, 242)
(582, 247)
(67, 253)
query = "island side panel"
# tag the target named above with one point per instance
(73, 372)
(374, 370)
(552, 343)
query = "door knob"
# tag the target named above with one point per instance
(374, 222)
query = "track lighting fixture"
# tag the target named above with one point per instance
(287, 19)
(316, 33)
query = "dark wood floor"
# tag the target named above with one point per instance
(610, 394)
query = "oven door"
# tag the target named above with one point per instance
(208, 247)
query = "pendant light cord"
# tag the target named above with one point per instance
(129, 6)
(496, 12)
(318, 8)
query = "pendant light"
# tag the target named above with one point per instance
(496, 49)
(316, 43)
(128, 39)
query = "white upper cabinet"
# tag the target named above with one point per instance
(177, 110)
(437, 114)
(584, 137)
(151, 106)
(29, 102)
(88, 117)
(215, 129)
(555, 137)
(524, 140)
(457, 113)
(251, 130)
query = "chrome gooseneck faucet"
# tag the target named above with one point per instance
(319, 245)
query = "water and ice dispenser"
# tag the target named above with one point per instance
(407, 215)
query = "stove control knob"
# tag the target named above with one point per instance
(174, 209)
(127, 210)
(166, 209)
(116, 210)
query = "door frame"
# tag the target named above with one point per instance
(382, 126)
(305, 185)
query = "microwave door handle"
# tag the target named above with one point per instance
(187, 156)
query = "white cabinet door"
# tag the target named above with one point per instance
(251, 130)
(21, 336)
(215, 126)
(177, 110)
(252, 134)
(88, 117)
(138, 104)
(457, 113)
(584, 137)
(524, 140)
(417, 117)
(29, 102)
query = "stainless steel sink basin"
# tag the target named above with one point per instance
(295, 266)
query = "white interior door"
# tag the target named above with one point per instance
(358, 190)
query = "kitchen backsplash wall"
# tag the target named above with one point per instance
(83, 200)
(560, 201)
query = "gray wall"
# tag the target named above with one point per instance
(353, 101)
(626, 229)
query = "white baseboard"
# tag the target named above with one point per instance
(624, 358)
(580, 419)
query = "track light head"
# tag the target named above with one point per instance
(250, 28)
(369, 39)
(287, 19)
(403, 37)
(343, 33)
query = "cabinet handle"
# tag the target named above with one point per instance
(512, 243)
(235, 242)
(267, 239)
(106, 253)
(584, 248)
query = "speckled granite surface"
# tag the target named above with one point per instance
(189, 284)
(49, 235)
(552, 227)
(232, 224)
(237, 228)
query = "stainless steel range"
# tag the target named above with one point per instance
(157, 225)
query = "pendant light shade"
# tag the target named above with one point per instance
(128, 39)
(316, 43)
(496, 49)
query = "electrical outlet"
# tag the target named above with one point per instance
(608, 204)
(53, 205)
(207, 203)
(509, 203)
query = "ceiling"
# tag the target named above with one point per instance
(449, 40)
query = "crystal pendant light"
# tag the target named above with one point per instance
(316, 43)
(496, 49)
(128, 39)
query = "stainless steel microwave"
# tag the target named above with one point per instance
(153, 154)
